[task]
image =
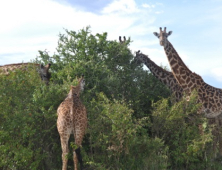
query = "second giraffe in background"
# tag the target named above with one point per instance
(164, 76)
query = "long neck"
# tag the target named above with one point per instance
(161, 74)
(164, 76)
(76, 100)
(74, 96)
(187, 79)
(74, 91)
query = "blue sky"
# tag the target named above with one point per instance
(31, 25)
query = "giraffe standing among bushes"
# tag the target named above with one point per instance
(42, 70)
(72, 119)
(209, 96)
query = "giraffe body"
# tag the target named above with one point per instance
(164, 76)
(72, 119)
(42, 70)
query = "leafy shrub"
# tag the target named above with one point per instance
(132, 122)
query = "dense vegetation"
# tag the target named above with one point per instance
(132, 122)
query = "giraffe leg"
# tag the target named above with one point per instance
(65, 151)
(75, 160)
(200, 127)
(220, 144)
(78, 158)
(79, 133)
(215, 140)
(215, 136)
(220, 137)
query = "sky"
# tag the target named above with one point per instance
(28, 26)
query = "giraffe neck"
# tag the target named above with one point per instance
(173, 57)
(74, 96)
(164, 76)
(76, 101)
(161, 74)
(74, 92)
(186, 78)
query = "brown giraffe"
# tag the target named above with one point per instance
(210, 97)
(42, 70)
(72, 119)
(164, 76)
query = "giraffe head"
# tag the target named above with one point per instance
(122, 41)
(163, 35)
(81, 83)
(76, 90)
(139, 58)
(44, 73)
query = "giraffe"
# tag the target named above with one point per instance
(122, 41)
(164, 76)
(42, 70)
(72, 119)
(209, 96)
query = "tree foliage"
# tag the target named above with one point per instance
(132, 122)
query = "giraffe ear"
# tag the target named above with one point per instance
(49, 65)
(156, 34)
(120, 39)
(169, 33)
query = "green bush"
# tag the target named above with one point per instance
(120, 141)
(178, 126)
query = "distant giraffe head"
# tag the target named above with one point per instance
(122, 41)
(162, 36)
(76, 90)
(139, 58)
(44, 73)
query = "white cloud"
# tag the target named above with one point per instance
(123, 6)
(217, 73)
(148, 6)
(15, 13)
(28, 26)
(159, 12)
